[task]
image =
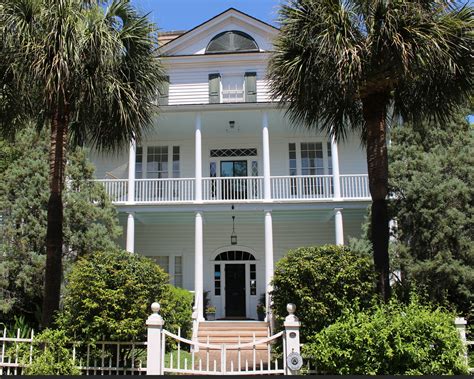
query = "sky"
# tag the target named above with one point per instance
(186, 14)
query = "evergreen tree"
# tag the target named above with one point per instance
(90, 220)
(432, 177)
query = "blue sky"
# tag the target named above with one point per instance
(186, 14)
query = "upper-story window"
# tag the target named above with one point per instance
(153, 162)
(231, 41)
(233, 88)
(310, 158)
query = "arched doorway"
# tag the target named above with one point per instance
(235, 282)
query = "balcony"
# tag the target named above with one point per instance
(239, 189)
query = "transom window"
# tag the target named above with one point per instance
(231, 41)
(235, 255)
(218, 153)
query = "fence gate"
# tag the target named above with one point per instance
(169, 353)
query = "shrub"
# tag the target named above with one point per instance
(176, 310)
(392, 339)
(52, 355)
(321, 281)
(108, 295)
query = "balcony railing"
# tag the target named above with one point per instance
(235, 188)
(239, 189)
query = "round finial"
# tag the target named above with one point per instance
(155, 307)
(291, 308)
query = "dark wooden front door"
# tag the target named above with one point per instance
(235, 290)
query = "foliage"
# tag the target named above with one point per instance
(344, 66)
(108, 296)
(322, 282)
(86, 70)
(390, 339)
(91, 221)
(52, 355)
(431, 174)
(176, 309)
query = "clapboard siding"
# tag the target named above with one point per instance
(191, 86)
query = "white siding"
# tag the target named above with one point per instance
(110, 165)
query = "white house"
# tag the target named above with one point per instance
(224, 184)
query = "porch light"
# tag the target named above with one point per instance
(233, 236)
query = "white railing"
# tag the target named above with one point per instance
(231, 189)
(164, 190)
(302, 187)
(117, 189)
(354, 186)
(98, 358)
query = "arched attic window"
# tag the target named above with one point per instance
(231, 41)
(235, 256)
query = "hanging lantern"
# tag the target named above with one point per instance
(233, 236)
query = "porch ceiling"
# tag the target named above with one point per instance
(247, 217)
(215, 124)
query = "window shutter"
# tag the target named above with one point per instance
(214, 88)
(164, 91)
(251, 87)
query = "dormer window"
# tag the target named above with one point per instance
(232, 41)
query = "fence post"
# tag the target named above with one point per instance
(461, 323)
(154, 335)
(292, 338)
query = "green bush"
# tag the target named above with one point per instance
(52, 355)
(321, 281)
(177, 309)
(392, 339)
(108, 295)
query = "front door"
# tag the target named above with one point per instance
(235, 189)
(235, 290)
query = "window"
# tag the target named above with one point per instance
(232, 89)
(139, 163)
(231, 41)
(253, 279)
(312, 158)
(329, 158)
(178, 271)
(173, 266)
(243, 152)
(159, 161)
(235, 256)
(217, 280)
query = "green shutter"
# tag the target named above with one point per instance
(164, 91)
(214, 88)
(251, 87)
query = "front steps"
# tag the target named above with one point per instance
(233, 333)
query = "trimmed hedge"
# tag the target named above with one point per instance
(322, 282)
(392, 339)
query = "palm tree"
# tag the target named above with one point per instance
(345, 65)
(88, 70)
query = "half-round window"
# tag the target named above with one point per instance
(235, 255)
(231, 41)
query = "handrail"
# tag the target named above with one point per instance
(231, 347)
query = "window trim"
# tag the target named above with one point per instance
(171, 146)
(298, 143)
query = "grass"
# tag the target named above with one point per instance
(182, 356)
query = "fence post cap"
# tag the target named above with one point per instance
(155, 319)
(460, 321)
(291, 319)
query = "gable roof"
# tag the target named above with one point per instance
(229, 13)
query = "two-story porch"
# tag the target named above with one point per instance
(289, 187)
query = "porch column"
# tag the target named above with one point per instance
(131, 232)
(335, 169)
(131, 171)
(198, 265)
(268, 259)
(266, 158)
(339, 226)
(198, 158)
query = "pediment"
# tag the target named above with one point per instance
(195, 41)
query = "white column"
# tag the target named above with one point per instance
(266, 158)
(198, 158)
(339, 226)
(131, 233)
(335, 169)
(268, 258)
(198, 265)
(154, 342)
(131, 171)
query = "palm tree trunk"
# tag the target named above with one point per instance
(375, 112)
(54, 233)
